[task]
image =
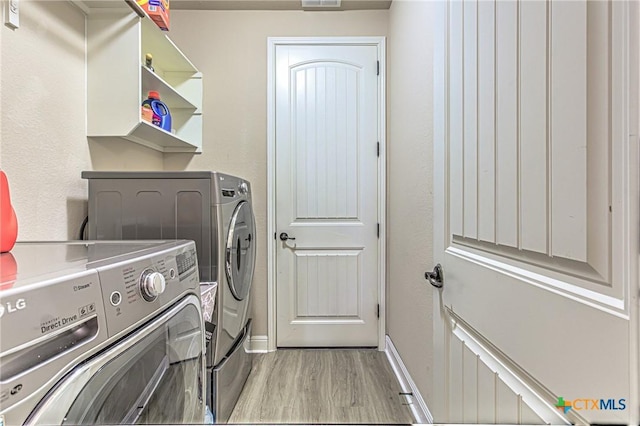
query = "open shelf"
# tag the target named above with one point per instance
(166, 54)
(161, 139)
(168, 94)
(118, 82)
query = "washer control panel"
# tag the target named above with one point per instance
(133, 291)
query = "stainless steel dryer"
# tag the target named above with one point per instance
(214, 210)
(101, 333)
(236, 258)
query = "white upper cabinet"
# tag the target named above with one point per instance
(119, 81)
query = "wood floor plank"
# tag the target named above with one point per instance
(321, 386)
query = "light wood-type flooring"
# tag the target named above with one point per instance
(321, 386)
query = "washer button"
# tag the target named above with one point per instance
(172, 273)
(116, 298)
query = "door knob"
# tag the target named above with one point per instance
(284, 237)
(436, 278)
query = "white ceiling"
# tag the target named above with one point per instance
(88, 5)
(272, 5)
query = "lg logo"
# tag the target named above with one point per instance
(9, 307)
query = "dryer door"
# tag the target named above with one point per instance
(153, 376)
(240, 251)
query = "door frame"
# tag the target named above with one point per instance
(272, 43)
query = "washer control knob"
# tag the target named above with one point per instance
(243, 188)
(152, 284)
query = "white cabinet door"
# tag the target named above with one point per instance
(326, 195)
(536, 227)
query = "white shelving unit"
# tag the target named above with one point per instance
(118, 82)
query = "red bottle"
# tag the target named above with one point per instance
(8, 220)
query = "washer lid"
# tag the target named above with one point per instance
(241, 251)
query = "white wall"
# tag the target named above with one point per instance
(43, 132)
(230, 48)
(410, 187)
(43, 140)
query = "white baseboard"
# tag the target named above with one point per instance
(419, 409)
(258, 344)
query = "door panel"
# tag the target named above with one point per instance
(533, 127)
(326, 195)
(486, 122)
(328, 284)
(485, 389)
(506, 215)
(568, 105)
(538, 202)
(325, 143)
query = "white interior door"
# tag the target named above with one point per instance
(326, 185)
(537, 221)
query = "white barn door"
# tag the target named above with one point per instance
(536, 178)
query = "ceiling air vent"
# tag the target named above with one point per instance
(314, 4)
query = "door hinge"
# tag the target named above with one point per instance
(378, 68)
(378, 149)
(378, 311)
(378, 230)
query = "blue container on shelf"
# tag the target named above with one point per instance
(161, 115)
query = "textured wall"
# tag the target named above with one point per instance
(43, 134)
(44, 146)
(230, 48)
(410, 187)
